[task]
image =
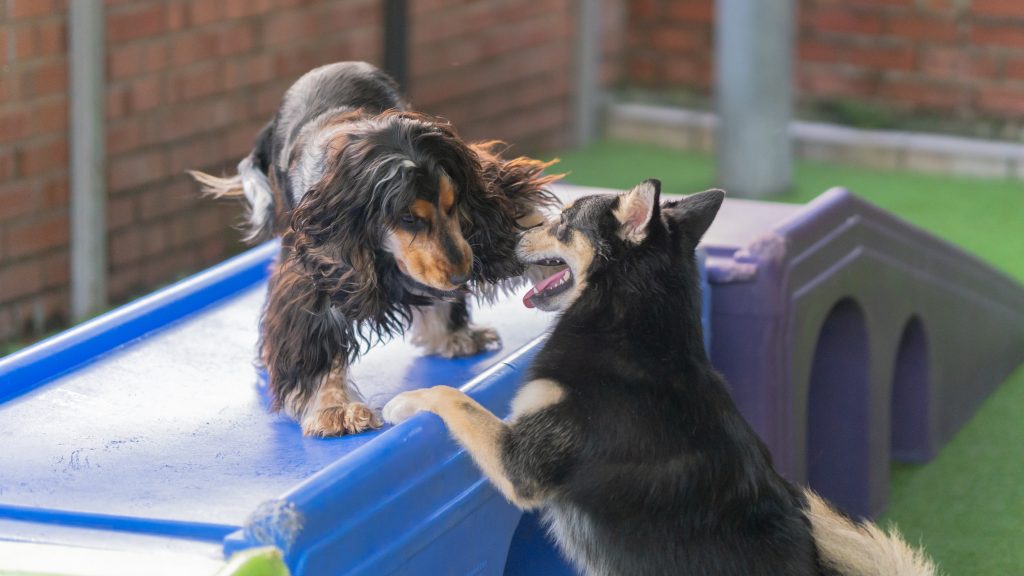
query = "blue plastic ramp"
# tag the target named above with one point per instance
(146, 433)
(146, 429)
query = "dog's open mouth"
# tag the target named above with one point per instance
(553, 285)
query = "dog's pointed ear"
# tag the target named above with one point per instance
(637, 209)
(694, 214)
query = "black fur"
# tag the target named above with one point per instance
(458, 315)
(646, 465)
(343, 162)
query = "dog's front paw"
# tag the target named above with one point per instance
(402, 407)
(486, 338)
(351, 418)
(467, 342)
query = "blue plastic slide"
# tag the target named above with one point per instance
(147, 429)
(144, 435)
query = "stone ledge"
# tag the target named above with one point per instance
(819, 141)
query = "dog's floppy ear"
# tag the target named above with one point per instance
(694, 214)
(512, 191)
(637, 209)
(334, 230)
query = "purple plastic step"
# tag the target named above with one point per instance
(850, 337)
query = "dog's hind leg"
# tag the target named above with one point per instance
(444, 329)
(334, 409)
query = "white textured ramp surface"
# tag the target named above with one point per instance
(174, 426)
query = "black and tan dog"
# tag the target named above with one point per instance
(626, 436)
(387, 219)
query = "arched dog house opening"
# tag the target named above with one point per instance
(837, 410)
(911, 402)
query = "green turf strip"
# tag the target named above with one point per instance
(966, 506)
(985, 217)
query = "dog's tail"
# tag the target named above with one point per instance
(861, 548)
(251, 182)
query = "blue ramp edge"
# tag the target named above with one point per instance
(59, 354)
(433, 507)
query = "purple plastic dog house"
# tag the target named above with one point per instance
(850, 337)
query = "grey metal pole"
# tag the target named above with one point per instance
(754, 70)
(588, 70)
(88, 159)
(396, 36)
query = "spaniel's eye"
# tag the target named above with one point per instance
(409, 219)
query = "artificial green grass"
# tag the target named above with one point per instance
(982, 216)
(967, 505)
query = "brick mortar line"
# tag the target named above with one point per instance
(22, 65)
(38, 257)
(260, 20)
(223, 61)
(200, 138)
(475, 96)
(29, 102)
(535, 50)
(547, 102)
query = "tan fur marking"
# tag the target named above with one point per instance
(578, 254)
(446, 195)
(421, 254)
(332, 411)
(476, 429)
(862, 549)
(583, 252)
(336, 142)
(580, 251)
(531, 219)
(536, 395)
(423, 209)
(421, 257)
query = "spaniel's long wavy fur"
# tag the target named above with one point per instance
(333, 174)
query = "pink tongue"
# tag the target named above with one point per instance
(542, 286)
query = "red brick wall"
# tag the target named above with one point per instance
(669, 44)
(498, 69)
(948, 56)
(33, 165)
(962, 57)
(189, 84)
(614, 32)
